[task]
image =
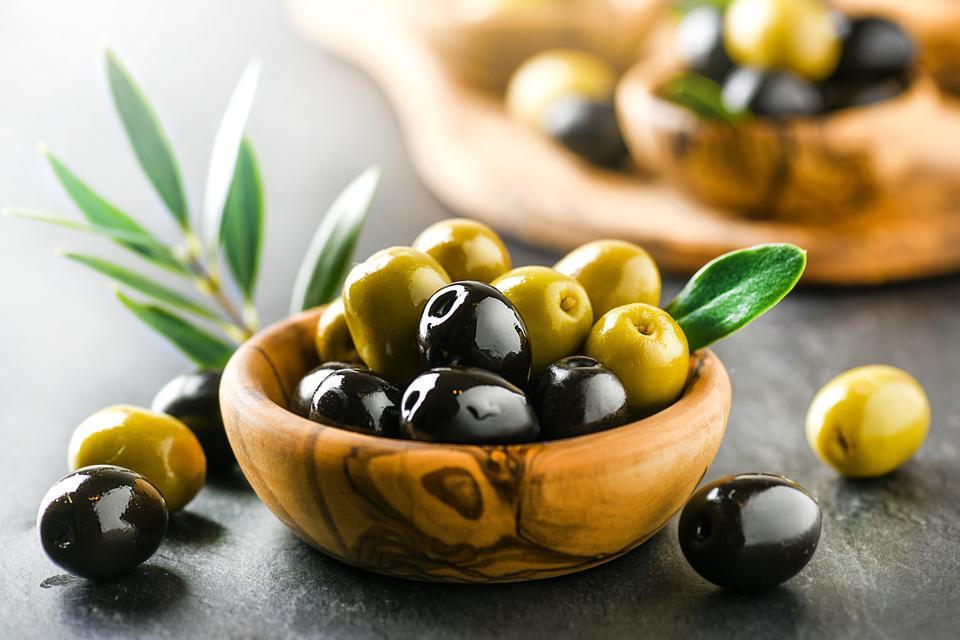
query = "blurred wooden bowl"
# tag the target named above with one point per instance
(458, 513)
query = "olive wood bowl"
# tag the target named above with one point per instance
(459, 513)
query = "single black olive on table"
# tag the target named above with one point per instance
(873, 47)
(101, 521)
(774, 94)
(750, 531)
(308, 385)
(588, 128)
(700, 43)
(357, 401)
(194, 399)
(472, 324)
(578, 395)
(466, 406)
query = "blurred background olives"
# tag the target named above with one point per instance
(587, 128)
(194, 399)
(576, 396)
(700, 43)
(613, 273)
(466, 249)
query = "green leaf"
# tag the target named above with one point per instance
(207, 351)
(328, 257)
(731, 291)
(103, 214)
(144, 285)
(133, 237)
(243, 221)
(685, 6)
(701, 95)
(149, 143)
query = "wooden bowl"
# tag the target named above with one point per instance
(458, 513)
(809, 169)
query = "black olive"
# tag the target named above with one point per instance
(472, 324)
(357, 401)
(467, 406)
(840, 93)
(588, 128)
(700, 43)
(750, 531)
(194, 399)
(874, 48)
(776, 94)
(578, 395)
(101, 521)
(308, 385)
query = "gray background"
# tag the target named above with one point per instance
(888, 561)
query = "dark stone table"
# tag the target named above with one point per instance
(890, 553)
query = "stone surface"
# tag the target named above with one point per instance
(889, 555)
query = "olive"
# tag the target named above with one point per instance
(614, 273)
(155, 445)
(101, 521)
(466, 249)
(473, 325)
(308, 385)
(555, 309)
(587, 128)
(383, 298)
(357, 401)
(466, 406)
(333, 340)
(194, 399)
(647, 350)
(700, 43)
(840, 93)
(776, 94)
(868, 421)
(875, 48)
(750, 531)
(555, 73)
(577, 395)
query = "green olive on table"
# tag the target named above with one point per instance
(157, 446)
(614, 273)
(868, 421)
(555, 309)
(194, 399)
(333, 340)
(383, 298)
(466, 249)
(647, 350)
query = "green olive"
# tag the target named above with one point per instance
(791, 35)
(555, 309)
(157, 446)
(614, 273)
(868, 421)
(383, 298)
(333, 339)
(466, 249)
(554, 74)
(647, 350)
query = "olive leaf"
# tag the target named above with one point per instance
(242, 226)
(686, 6)
(132, 237)
(149, 143)
(207, 351)
(734, 289)
(701, 95)
(328, 257)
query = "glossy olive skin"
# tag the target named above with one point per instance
(472, 324)
(773, 94)
(700, 43)
(647, 350)
(155, 445)
(194, 399)
(333, 340)
(466, 406)
(101, 521)
(749, 532)
(576, 396)
(466, 249)
(555, 309)
(308, 385)
(587, 128)
(875, 48)
(357, 401)
(614, 273)
(383, 298)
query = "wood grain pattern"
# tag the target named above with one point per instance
(485, 165)
(462, 513)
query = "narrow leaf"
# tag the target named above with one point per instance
(149, 143)
(731, 291)
(701, 95)
(207, 351)
(223, 159)
(133, 237)
(144, 285)
(243, 221)
(328, 257)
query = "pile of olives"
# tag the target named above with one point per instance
(445, 342)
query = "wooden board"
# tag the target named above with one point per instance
(485, 165)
